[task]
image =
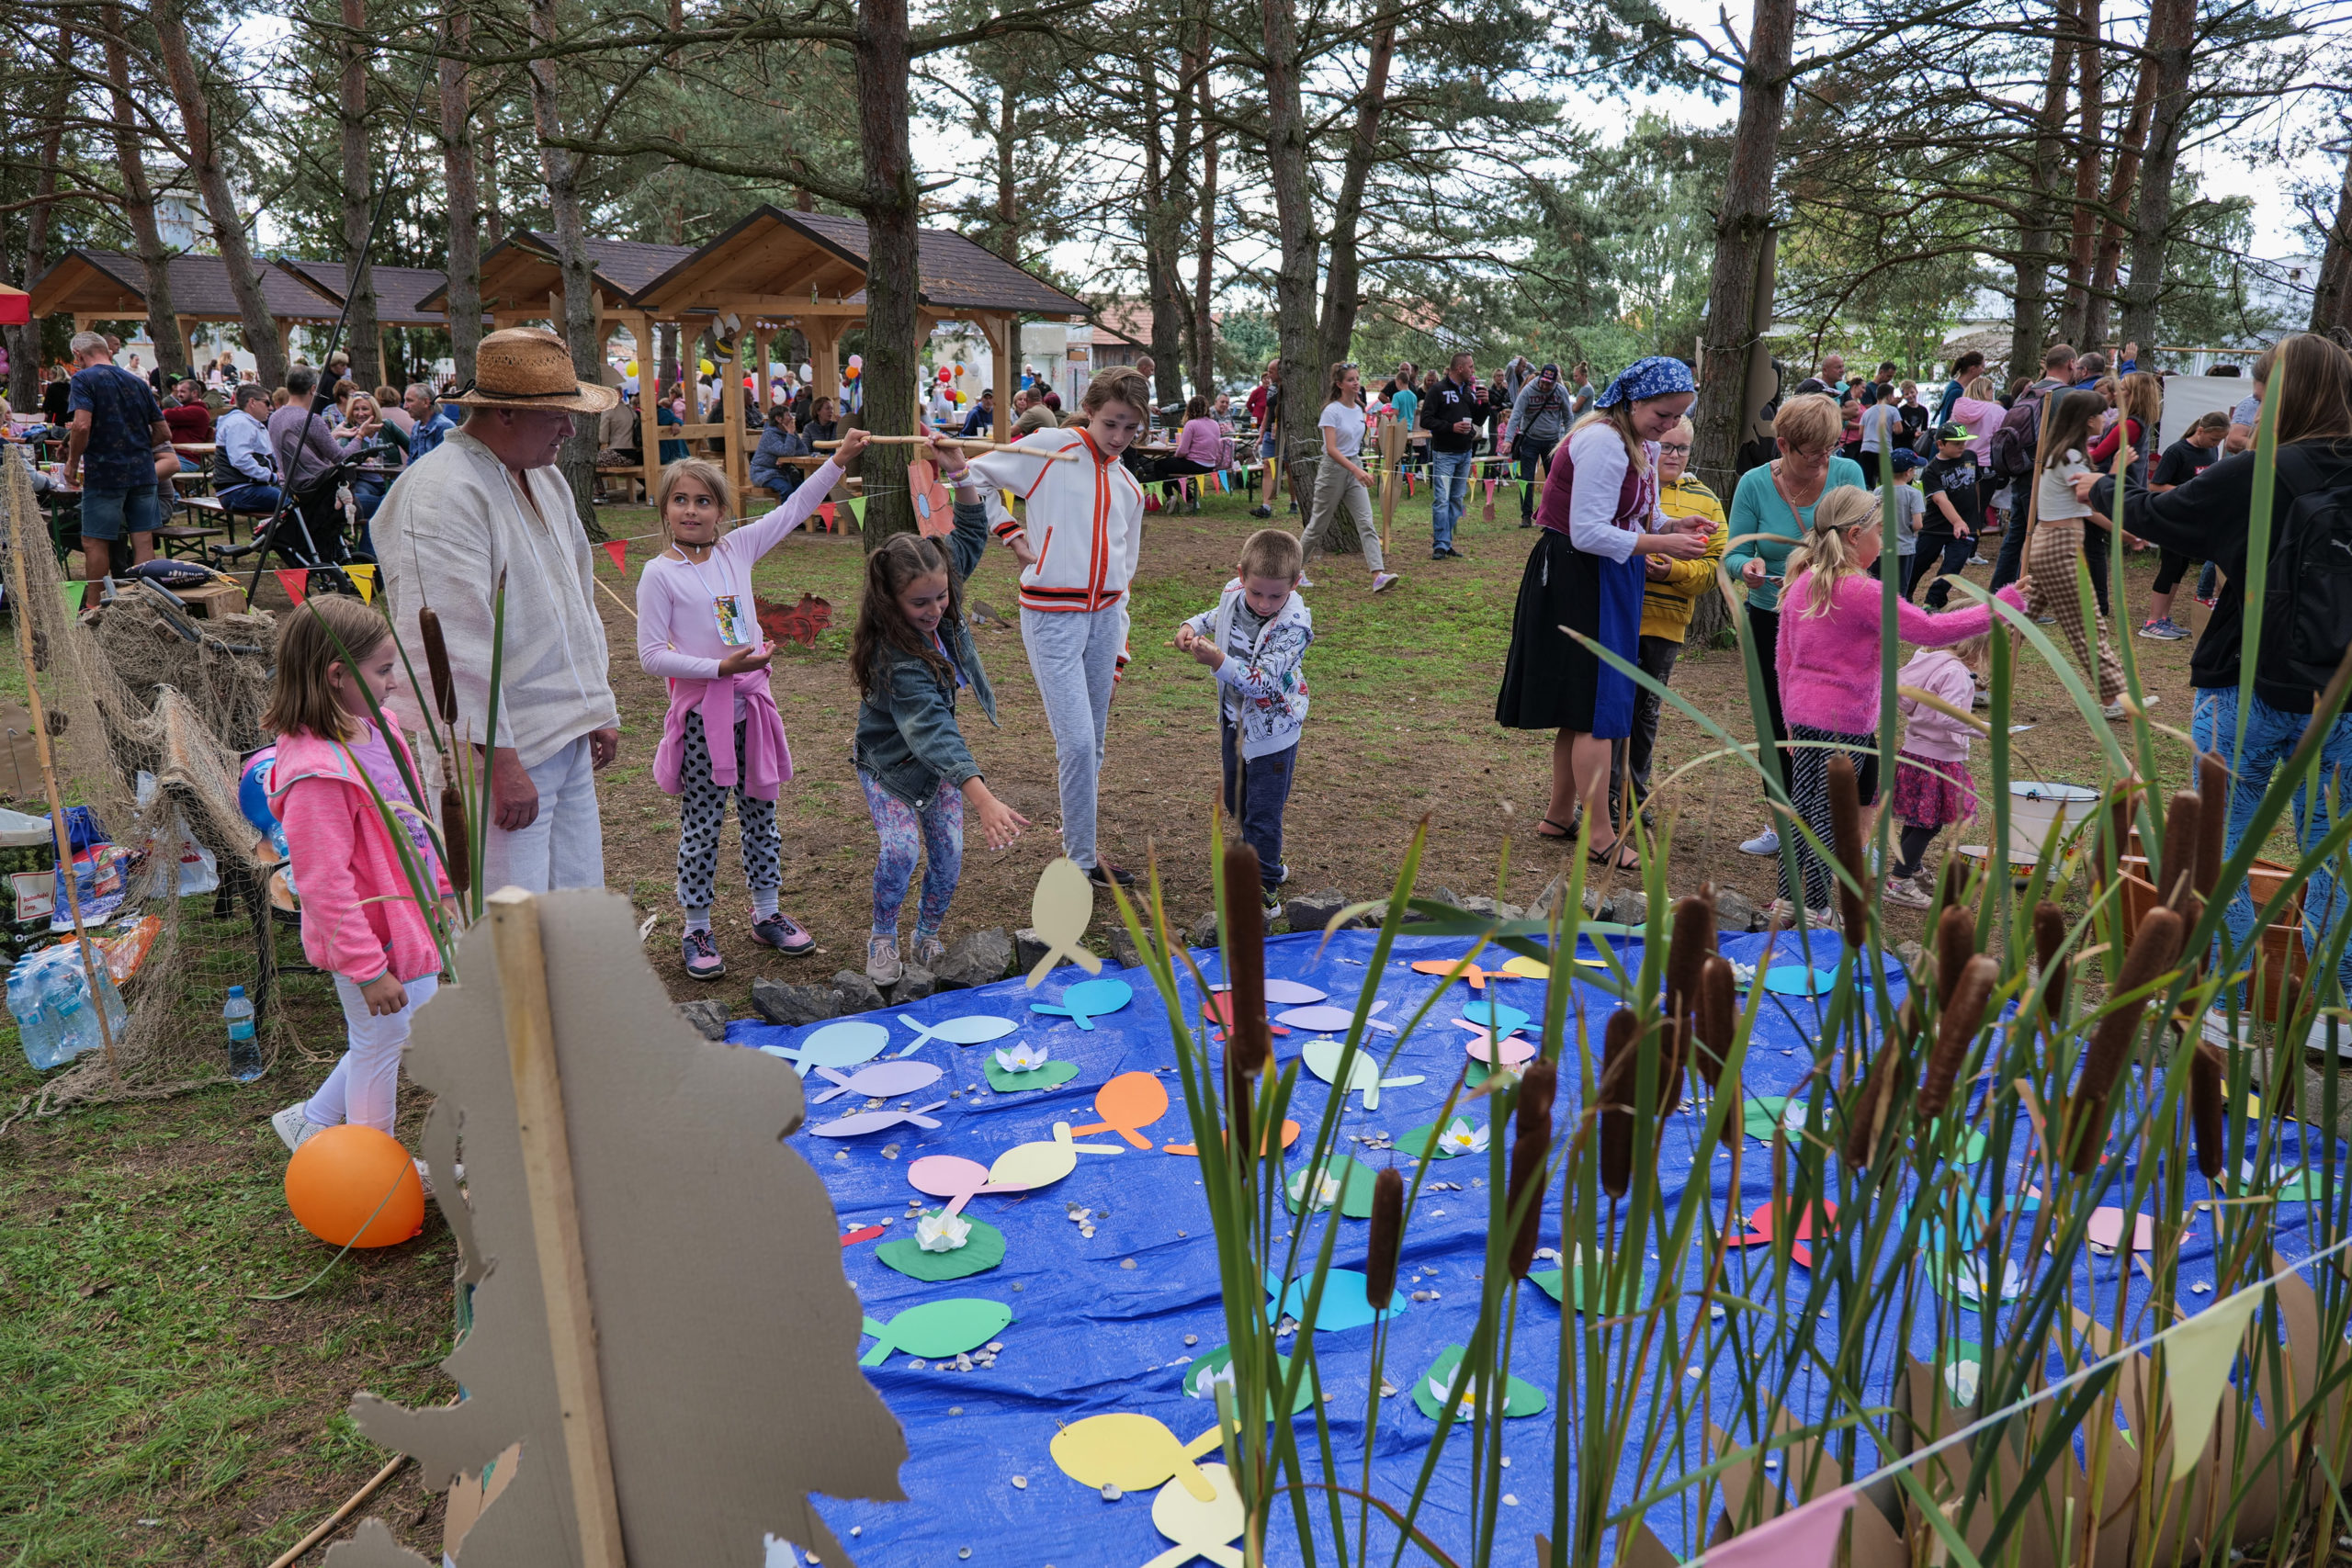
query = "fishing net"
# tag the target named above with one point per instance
(149, 710)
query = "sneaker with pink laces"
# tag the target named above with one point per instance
(700, 951)
(785, 934)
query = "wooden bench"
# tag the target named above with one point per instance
(179, 537)
(632, 476)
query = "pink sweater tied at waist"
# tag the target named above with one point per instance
(766, 761)
(1829, 664)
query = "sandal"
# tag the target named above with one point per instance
(1542, 822)
(1608, 857)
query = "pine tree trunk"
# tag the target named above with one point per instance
(24, 343)
(463, 299)
(2036, 237)
(1294, 319)
(2332, 296)
(2171, 38)
(494, 213)
(2108, 261)
(581, 328)
(1203, 322)
(139, 204)
(1165, 205)
(259, 329)
(2074, 313)
(361, 339)
(1743, 233)
(1343, 281)
(893, 222)
(1008, 192)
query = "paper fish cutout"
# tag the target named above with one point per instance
(1796, 980)
(1481, 1046)
(982, 1251)
(1088, 1001)
(1290, 1135)
(883, 1080)
(1059, 912)
(947, 1328)
(1133, 1454)
(1322, 1059)
(1331, 1020)
(1344, 1305)
(1127, 1102)
(843, 1044)
(1522, 967)
(972, 1029)
(2105, 1231)
(1217, 1009)
(1491, 1015)
(794, 623)
(954, 1177)
(1819, 1208)
(1044, 1162)
(864, 1122)
(1283, 993)
(1436, 1386)
(1471, 973)
(1201, 1529)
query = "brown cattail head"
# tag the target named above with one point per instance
(2085, 1132)
(2152, 950)
(1846, 839)
(457, 849)
(1955, 945)
(1387, 1235)
(1963, 1010)
(1692, 943)
(2048, 946)
(1240, 1107)
(1869, 1112)
(2213, 833)
(2208, 1108)
(1718, 1016)
(2184, 823)
(1538, 1088)
(1248, 1042)
(1955, 882)
(436, 664)
(1526, 1156)
(1619, 1071)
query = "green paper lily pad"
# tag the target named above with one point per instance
(1051, 1075)
(1520, 1397)
(1761, 1116)
(1479, 1073)
(1422, 1142)
(1216, 1361)
(982, 1251)
(1553, 1283)
(1355, 1188)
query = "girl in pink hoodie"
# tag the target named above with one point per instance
(1831, 632)
(1933, 785)
(364, 917)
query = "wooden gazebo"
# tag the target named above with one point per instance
(777, 268)
(111, 286)
(398, 289)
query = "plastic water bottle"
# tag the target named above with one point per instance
(244, 1051)
(35, 1024)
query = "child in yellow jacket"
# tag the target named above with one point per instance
(1668, 596)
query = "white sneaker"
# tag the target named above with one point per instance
(294, 1129)
(1903, 891)
(930, 953)
(1382, 582)
(1766, 842)
(1305, 581)
(2115, 708)
(883, 965)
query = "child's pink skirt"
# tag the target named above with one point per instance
(1930, 792)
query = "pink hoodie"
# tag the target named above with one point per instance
(361, 918)
(1829, 664)
(1931, 733)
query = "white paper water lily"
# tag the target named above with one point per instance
(1442, 1391)
(1206, 1387)
(942, 1231)
(1023, 1058)
(1327, 1188)
(1461, 1138)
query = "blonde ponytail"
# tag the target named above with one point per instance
(1827, 548)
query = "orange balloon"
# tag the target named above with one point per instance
(354, 1184)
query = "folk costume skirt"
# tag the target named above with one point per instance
(1550, 680)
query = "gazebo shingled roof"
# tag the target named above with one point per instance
(95, 285)
(398, 289)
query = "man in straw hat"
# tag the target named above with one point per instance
(486, 506)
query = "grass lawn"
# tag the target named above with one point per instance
(154, 1410)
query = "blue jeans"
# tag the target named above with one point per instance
(2271, 739)
(1256, 791)
(1449, 495)
(259, 499)
(110, 514)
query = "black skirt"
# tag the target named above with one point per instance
(1550, 680)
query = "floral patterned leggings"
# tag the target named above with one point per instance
(937, 828)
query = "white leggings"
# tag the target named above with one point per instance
(364, 1088)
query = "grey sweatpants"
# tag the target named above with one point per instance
(1074, 654)
(1335, 487)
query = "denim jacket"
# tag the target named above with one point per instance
(907, 738)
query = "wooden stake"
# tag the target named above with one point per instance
(555, 1222)
(1392, 457)
(82, 943)
(973, 444)
(333, 1521)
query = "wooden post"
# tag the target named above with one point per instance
(648, 388)
(731, 409)
(555, 1222)
(825, 335)
(1392, 458)
(1004, 343)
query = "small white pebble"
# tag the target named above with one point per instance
(1016, 1284)
(814, 1557)
(1694, 1372)
(1127, 1263)
(2200, 1287)
(1505, 1462)
(840, 1154)
(1020, 1482)
(963, 1551)
(1181, 1235)
(857, 1530)
(1110, 1494)
(1191, 1339)
(1509, 1500)
(1771, 1464)
(1440, 1213)
(917, 1366)
(1420, 1295)
(1387, 1389)
(889, 1151)
(995, 1346)
(954, 1410)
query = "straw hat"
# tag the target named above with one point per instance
(531, 368)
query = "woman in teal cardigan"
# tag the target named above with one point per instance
(1769, 512)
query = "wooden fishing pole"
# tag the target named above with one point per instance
(968, 446)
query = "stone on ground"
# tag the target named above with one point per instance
(980, 958)
(1312, 911)
(1029, 949)
(1736, 911)
(914, 984)
(857, 993)
(794, 1006)
(709, 1018)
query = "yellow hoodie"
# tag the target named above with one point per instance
(1666, 600)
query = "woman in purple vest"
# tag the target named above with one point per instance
(1598, 518)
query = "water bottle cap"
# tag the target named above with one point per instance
(237, 991)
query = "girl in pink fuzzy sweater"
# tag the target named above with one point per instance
(1831, 631)
(365, 919)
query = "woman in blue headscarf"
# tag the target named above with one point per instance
(1598, 518)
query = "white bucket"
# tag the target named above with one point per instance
(2035, 804)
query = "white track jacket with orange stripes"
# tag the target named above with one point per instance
(1085, 519)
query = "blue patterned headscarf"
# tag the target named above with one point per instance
(1659, 376)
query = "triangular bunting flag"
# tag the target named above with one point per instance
(1008, 498)
(295, 580)
(618, 550)
(1490, 490)
(1804, 1537)
(72, 592)
(364, 578)
(825, 511)
(857, 510)
(2199, 1355)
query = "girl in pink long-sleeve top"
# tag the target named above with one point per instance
(369, 902)
(1831, 629)
(696, 627)
(1933, 784)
